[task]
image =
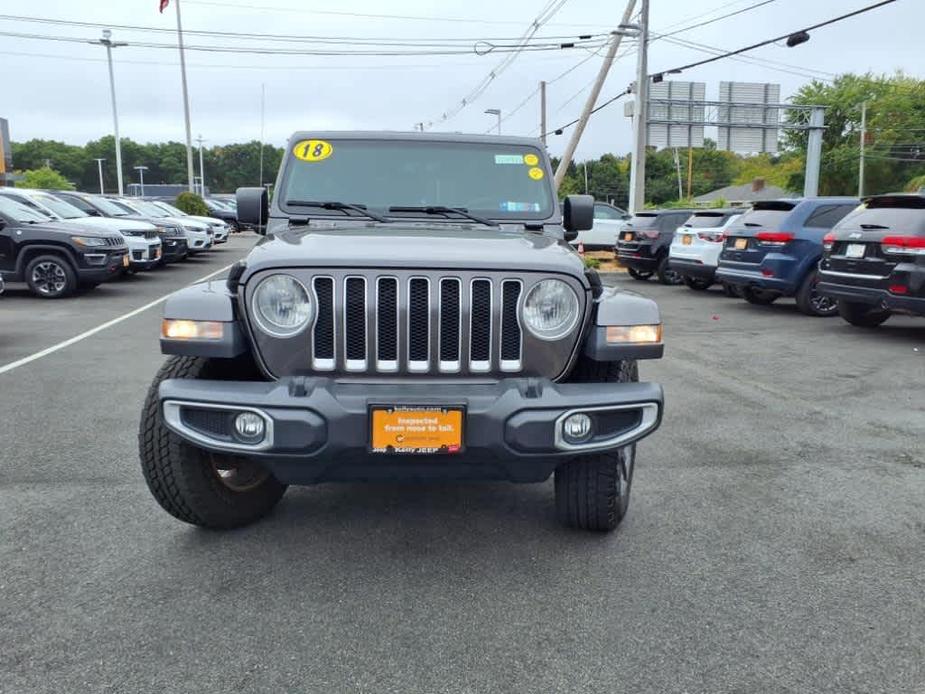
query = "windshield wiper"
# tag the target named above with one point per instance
(446, 211)
(868, 227)
(336, 205)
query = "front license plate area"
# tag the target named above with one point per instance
(628, 236)
(125, 261)
(415, 429)
(855, 250)
(741, 244)
(686, 240)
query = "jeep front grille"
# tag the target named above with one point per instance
(416, 324)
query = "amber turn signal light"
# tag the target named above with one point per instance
(176, 329)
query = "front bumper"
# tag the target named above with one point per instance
(174, 248)
(319, 428)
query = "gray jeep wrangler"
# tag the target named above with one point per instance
(414, 312)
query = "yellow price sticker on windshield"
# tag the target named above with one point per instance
(312, 150)
(531, 159)
(536, 173)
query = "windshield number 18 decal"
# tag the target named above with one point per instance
(312, 150)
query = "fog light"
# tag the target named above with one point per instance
(249, 426)
(576, 428)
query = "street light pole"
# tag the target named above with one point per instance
(110, 44)
(141, 177)
(189, 131)
(637, 197)
(99, 165)
(202, 171)
(495, 112)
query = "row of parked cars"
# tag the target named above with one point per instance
(861, 259)
(59, 242)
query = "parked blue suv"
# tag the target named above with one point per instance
(774, 250)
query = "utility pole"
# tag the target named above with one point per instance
(640, 116)
(543, 111)
(189, 131)
(677, 165)
(863, 143)
(99, 165)
(595, 92)
(263, 101)
(690, 169)
(110, 44)
(202, 170)
(814, 152)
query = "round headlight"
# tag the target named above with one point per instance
(551, 310)
(281, 306)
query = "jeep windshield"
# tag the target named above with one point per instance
(489, 180)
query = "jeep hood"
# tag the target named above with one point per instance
(395, 246)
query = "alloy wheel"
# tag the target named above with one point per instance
(49, 278)
(238, 474)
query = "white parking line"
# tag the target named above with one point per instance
(93, 331)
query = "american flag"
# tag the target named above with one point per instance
(164, 4)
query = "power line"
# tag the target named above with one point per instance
(341, 13)
(655, 37)
(760, 44)
(548, 12)
(299, 38)
(736, 52)
(513, 49)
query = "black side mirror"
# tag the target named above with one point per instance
(577, 215)
(253, 207)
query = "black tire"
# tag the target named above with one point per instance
(862, 315)
(188, 482)
(638, 274)
(732, 290)
(51, 276)
(697, 285)
(811, 302)
(759, 297)
(666, 275)
(593, 491)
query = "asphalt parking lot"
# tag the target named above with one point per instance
(774, 542)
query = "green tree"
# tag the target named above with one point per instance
(191, 204)
(895, 146)
(44, 177)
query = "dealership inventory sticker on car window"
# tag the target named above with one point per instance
(531, 159)
(536, 173)
(312, 150)
(509, 159)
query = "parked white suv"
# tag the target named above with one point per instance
(608, 221)
(142, 239)
(198, 234)
(694, 251)
(220, 229)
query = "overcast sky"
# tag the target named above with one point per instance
(60, 90)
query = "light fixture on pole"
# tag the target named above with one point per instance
(99, 165)
(495, 112)
(141, 177)
(110, 44)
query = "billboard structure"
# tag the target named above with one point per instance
(749, 117)
(676, 114)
